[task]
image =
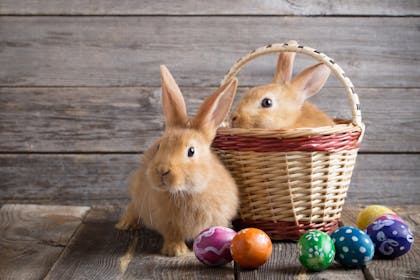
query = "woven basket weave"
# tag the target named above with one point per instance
(291, 181)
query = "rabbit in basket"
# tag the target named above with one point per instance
(282, 104)
(181, 187)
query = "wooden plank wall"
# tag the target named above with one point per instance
(80, 97)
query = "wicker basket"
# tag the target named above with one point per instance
(291, 181)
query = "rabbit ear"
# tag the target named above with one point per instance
(215, 108)
(284, 69)
(311, 80)
(172, 100)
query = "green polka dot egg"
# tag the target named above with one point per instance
(316, 250)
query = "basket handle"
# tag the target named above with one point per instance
(335, 68)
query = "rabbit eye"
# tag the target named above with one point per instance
(266, 103)
(191, 151)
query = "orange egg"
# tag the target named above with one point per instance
(251, 247)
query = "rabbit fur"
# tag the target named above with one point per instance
(282, 104)
(181, 187)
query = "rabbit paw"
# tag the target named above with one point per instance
(174, 249)
(128, 221)
(123, 225)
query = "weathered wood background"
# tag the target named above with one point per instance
(80, 97)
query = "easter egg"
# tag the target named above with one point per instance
(353, 247)
(392, 238)
(316, 250)
(251, 248)
(212, 246)
(370, 213)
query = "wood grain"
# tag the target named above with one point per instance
(82, 179)
(97, 178)
(33, 236)
(98, 249)
(148, 263)
(284, 264)
(217, 7)
(127, 51)
(388, 179)
(404, 267)
(81, 119)
(129, 119)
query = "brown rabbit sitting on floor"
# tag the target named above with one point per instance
(181, 187)
(282, 104)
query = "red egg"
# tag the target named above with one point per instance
(251, 248)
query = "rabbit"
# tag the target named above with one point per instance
(282, 104)
(181, 187)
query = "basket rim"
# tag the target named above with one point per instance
(342, 126)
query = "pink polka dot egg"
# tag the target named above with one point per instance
(212, 246)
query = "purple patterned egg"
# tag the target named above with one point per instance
(212, 246)
(392, 238)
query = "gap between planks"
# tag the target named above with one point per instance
(128, 256)
(83, 45)
(84, 121)
(217, 7)
(32, 237)
(75, 233)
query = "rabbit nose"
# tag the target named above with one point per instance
(163, 171)
(234, 120)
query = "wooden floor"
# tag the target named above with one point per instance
(72, 242)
